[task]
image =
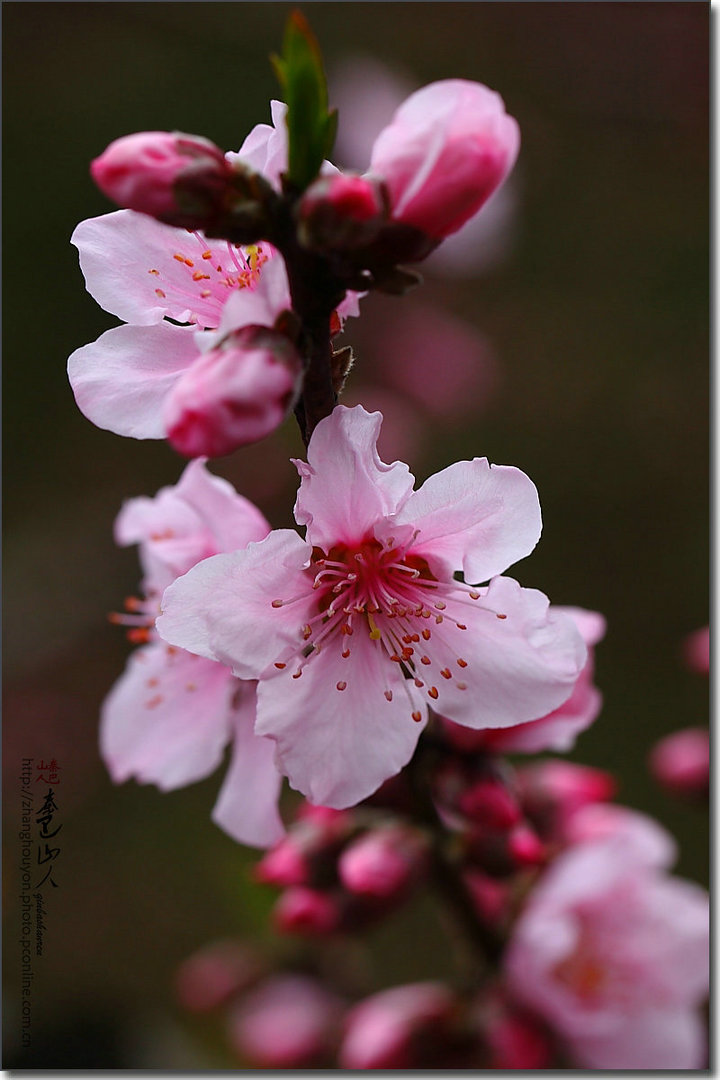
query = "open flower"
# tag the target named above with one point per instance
(613, 952)
(169, 717)
(356, 630)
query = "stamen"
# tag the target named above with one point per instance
(461, 662)
(280, 666)
(417, 717)
(340, 686)
(433, 692)
(446, 673)
(501, 616)
(388, 695)
(374, 632)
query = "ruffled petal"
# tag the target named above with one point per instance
(166, 719)
(265, 149)
(247, 806)
(519, 659)
(121, 380)
(232, 520)
(345, 488)
(223, 608)
(338, 745)
(474, 517)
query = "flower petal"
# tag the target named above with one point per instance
(231, 518)
(223, 608)
(166, 719)
(338, 745)
(142, 271)
(474, 517)
(520, 660)
(121, 380)
(265, 149)
(345, 488)
(662, 1039)
(247, 807)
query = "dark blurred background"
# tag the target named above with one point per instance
(594, 319)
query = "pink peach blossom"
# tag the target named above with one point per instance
(169, 717)
(448, 148)
(681, 762)
(179, 179)
(400, 1028)
(613, 953)
(356, 630)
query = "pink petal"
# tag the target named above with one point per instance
(258, 306)
(345, 488)
(265, 148)
(657, 1039)
(223, 608)
(247, 807)
(514, 667)
(232, 519)
(121, 380)
(338, 745)
(474, 517)
(166, 719)
(131, 268)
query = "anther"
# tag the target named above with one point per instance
(439, 619)
(160, 293)
(340, 685)
(446, 673)
(297, 674)
(474, 595)
(461, 626)
(345, 653)
(417, 717)
(388, 695)
(440, 605)
(156, 272)
(207, 254)
(180, 258)
(424, 659)
(280, 666)
(461, 685)
(502, 616)
(277, 603)
(461, 662)
(433, 692)
(419, 683)
(190, 686)
(426, 634)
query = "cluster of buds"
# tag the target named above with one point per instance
(341, 870)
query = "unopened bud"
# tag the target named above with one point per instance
(208, 978)
(403, 1028)
(307, 912)
(516, 1041)
(489, 896)
(235, 394)
(283, 865)
(384, 863)
(341, 212)
(490, 803)
(552, 791)
(681, 762)
(288, 1022)
(180, 179)
(525, 846)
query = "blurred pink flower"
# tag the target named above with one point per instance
(211, 976)
(330, 625)
(696, 650)
(287, 1022)
(384, 862)
(613, 953)
(681, 762)
(169, 717)
(401, 1028)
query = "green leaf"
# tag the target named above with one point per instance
(311, 127)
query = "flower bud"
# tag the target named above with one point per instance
(552, 791)
(489, 896)
(341, 212)
(525, 846)
(308, 912)
(448, 147)
(402, 1028)
(516, 1041)
(288, 1022)
(180, 179)
(235, 394)
(208, 978)
(383, 863)
(681, 762)
(696, 650)
(489, 802)
(282, 865)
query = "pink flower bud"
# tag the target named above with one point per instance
(283, 865)
(525, 846)
(402, 1028)
(488, 802)
(448, 147)
(517, 1042)
(696, 650)
(208, 978)
(341, 211)
(308, 912)
(288, 1022)
(235, 394)
(383, 863)
(681, 762)
(489, 896)
(179, 179)
(552, 791)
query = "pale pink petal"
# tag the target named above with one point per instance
(345, 488)
(474, 517)
(232, 519)
(514, 667)
(247, 806)
(265, 148)
(338, 745)
(223, 608)
(257, 306)
(143, 271)
(165, 721)
(651, 844)
(666, 1039)
(121, 380)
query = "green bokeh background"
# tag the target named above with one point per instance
(599, 320)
